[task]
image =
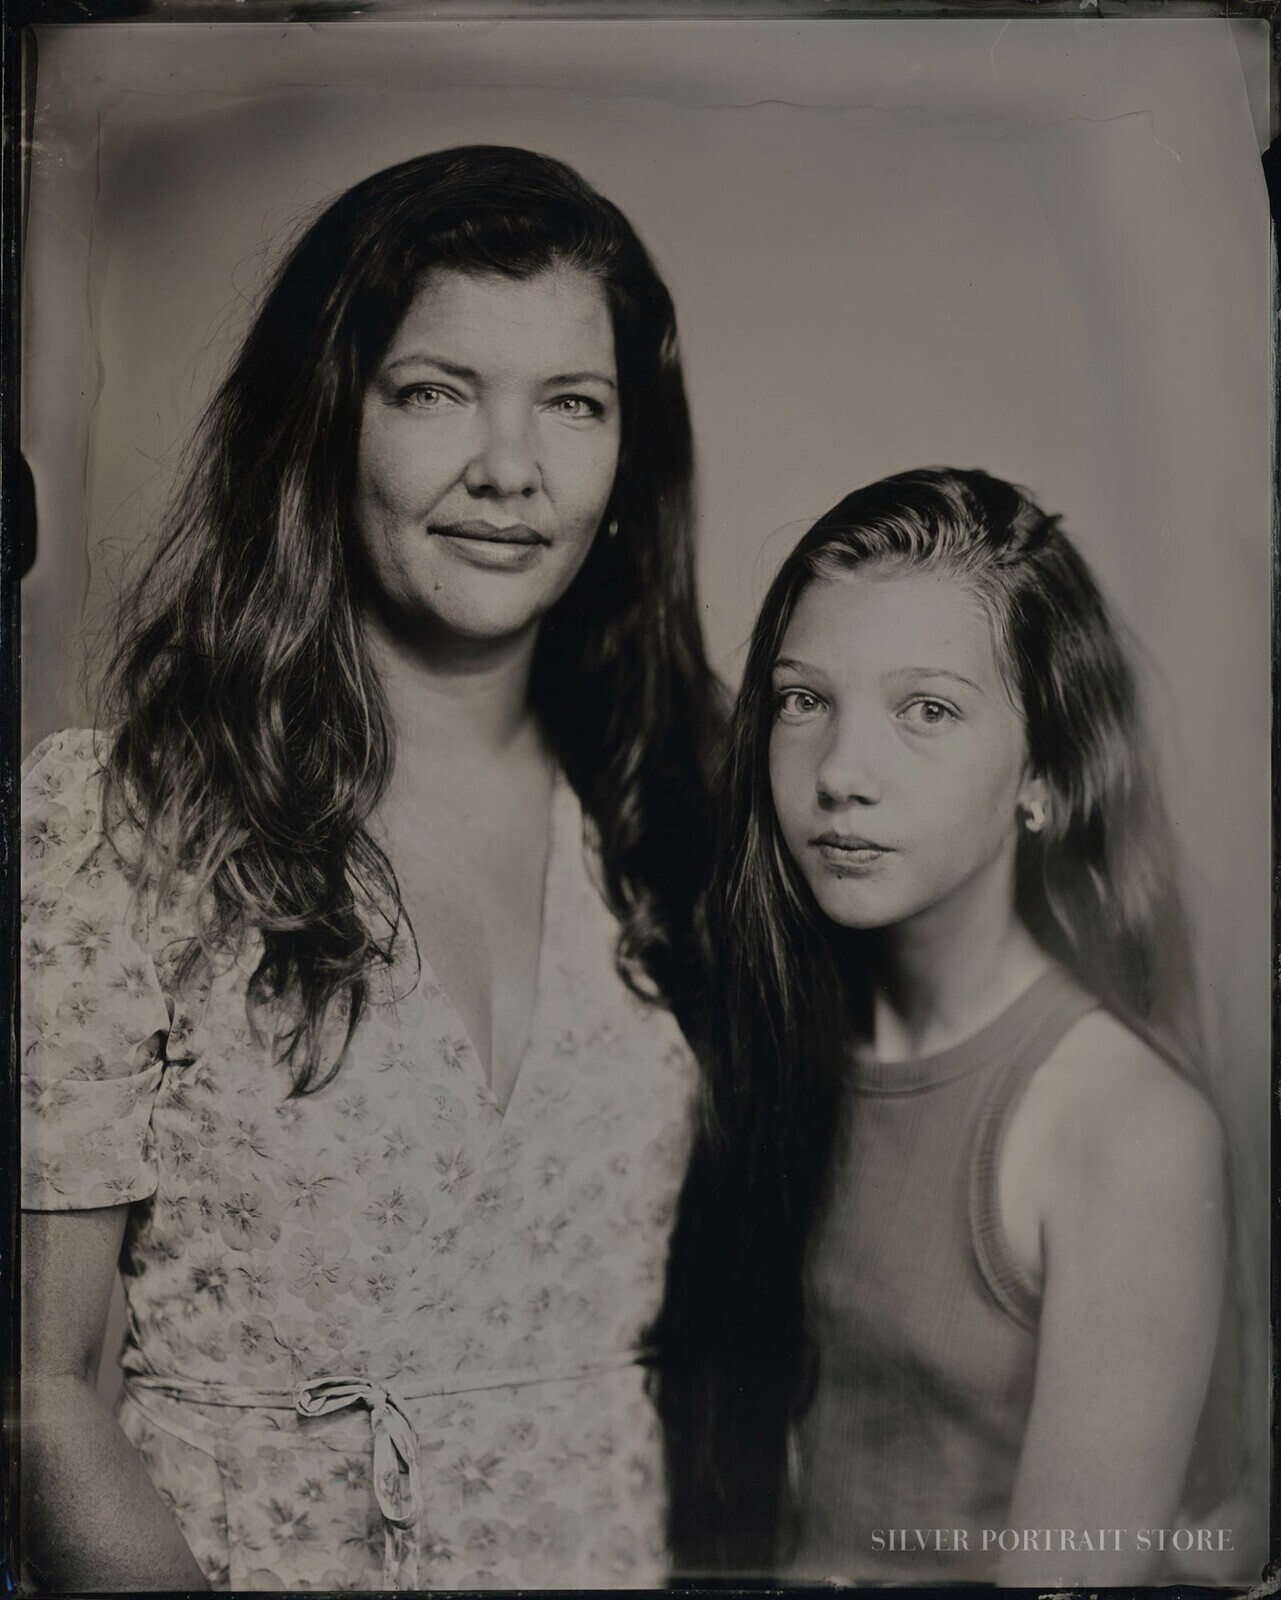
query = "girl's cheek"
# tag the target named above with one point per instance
(785, 775)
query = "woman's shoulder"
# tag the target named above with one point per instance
(67, 746)
(63, 765)
(92, 1004)
(75, 864)
(61, 800)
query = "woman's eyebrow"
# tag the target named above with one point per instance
(791, 664)
(562, 378)
(420, 358)
(454, 369)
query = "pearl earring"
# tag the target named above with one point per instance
(612, 530)
(1035, 820)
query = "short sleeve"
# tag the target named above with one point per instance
(94, 1019)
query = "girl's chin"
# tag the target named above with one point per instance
(862, 907)
(850, 906)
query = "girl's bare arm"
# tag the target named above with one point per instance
(92, 1519)
(1132, 1226)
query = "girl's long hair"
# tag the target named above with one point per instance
(734, 1360)
(252, 739)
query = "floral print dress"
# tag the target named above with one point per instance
(381, 1335)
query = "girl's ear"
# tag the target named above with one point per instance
(1033, 803)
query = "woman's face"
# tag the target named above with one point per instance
(488, 445)
(897, 760)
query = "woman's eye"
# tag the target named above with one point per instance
(927, 713)
(424, 397)
(577, 407)
(792, 704)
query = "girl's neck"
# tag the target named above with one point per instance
(943, 975)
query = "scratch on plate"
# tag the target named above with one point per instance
(1161, 142)
(991, 55)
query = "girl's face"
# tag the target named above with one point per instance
(488, 444)
(897, 760)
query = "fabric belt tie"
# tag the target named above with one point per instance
(397, 1479)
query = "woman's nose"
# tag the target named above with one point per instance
(505, 461)
(849, 769)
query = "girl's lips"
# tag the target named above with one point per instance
(839, 851)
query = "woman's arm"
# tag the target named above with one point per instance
(1131, 1209)
(92, 1519)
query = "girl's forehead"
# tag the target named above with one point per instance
(883, 619)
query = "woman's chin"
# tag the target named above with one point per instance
(458, 625)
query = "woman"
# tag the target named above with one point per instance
(954, 1167)
(356, 947)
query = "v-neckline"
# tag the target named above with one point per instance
(429, 982)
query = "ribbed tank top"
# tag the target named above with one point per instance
(926, 1326)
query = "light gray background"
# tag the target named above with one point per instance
(1038, 247)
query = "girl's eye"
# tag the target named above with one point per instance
(927, 714)
(577, 407)
(791, 705)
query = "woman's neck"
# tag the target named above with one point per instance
(470, 701)
(941, 976)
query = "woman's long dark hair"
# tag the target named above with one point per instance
(734, 1360)
(252, 736)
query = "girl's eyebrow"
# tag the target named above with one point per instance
(788, 663)
(935, 672)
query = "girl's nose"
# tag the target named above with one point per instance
(506, 461)
(849, 771)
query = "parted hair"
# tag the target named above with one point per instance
(252, 739)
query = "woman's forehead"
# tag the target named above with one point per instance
(551, 317)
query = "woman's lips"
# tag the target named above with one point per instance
(496, 547)
(489, 532)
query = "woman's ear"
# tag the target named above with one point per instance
(1033, 803)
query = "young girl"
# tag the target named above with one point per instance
(945, 1287)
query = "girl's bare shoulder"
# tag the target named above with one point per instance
(1106, 1116)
